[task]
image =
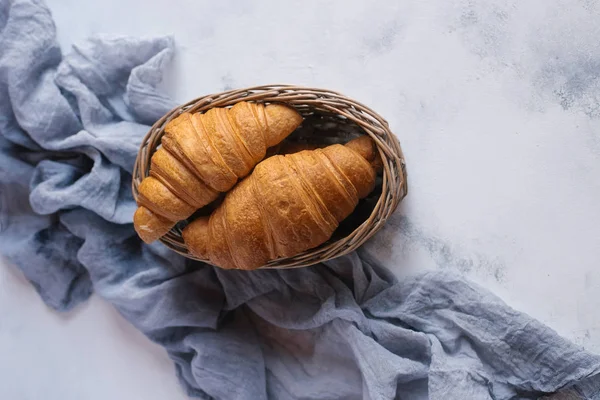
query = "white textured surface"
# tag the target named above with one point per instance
(91, 353)
(497, 106)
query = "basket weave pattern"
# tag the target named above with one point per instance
(306, 101)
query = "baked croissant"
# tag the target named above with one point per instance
(203, 155)
(289, 204)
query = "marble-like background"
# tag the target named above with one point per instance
(496, 104)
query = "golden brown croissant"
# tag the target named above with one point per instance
(288, 204)
(202, 155)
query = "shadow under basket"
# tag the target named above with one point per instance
(329, 118)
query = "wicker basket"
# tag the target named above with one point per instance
(337, 118)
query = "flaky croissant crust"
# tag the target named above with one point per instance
(205, 154)
(288, 204)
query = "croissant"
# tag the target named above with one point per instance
(205, 154)
(290, 203)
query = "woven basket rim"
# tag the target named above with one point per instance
(305, 100)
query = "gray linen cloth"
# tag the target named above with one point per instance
(70, 127)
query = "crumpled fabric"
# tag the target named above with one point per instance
(70, 127)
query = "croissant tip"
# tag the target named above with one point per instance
(285, 113)
(282, 120)
(365, 146)
(149, 226)
(195, 235)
